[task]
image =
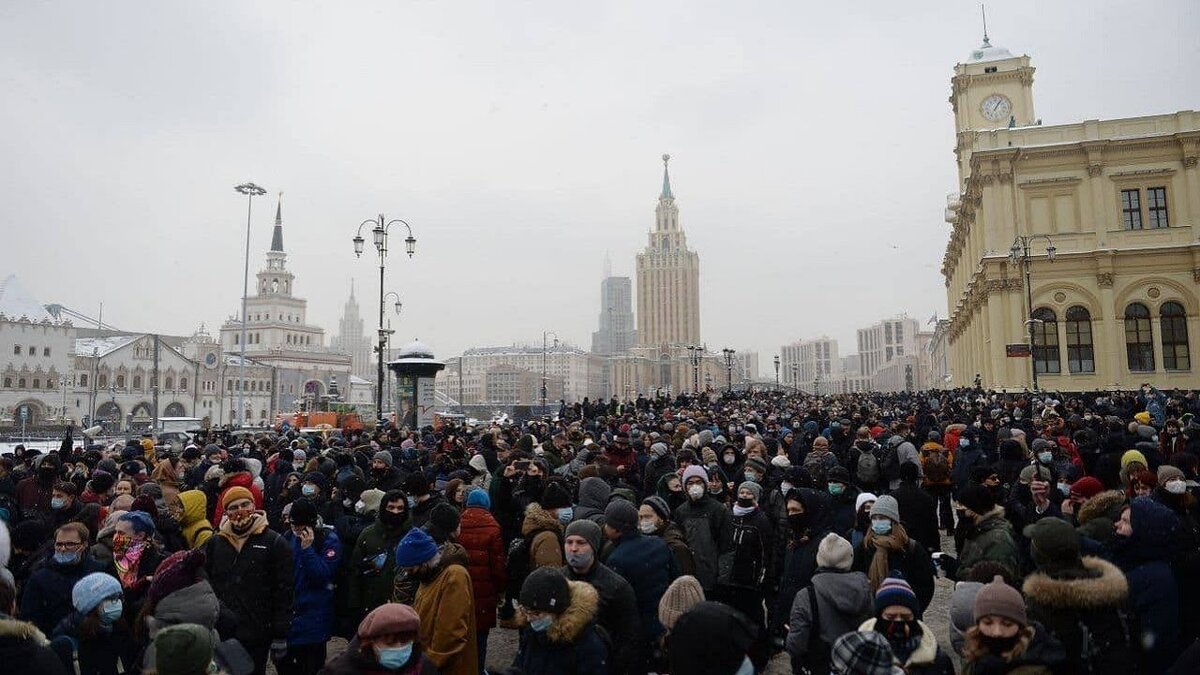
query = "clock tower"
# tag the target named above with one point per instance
(992, 89)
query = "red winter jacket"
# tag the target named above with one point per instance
(243, 479)
(480, 535)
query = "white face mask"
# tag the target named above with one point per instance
(696, 491)
(359, 506)
(1176, 487)
(647, 526)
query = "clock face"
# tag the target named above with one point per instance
(996, 108)
(210, 359)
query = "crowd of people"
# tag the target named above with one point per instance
(693, 534)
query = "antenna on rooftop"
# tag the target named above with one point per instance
(983, 11)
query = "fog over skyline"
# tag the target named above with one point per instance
(811, 145)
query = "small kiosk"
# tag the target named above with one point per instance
(415, 370)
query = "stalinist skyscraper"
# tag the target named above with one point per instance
(668, 310)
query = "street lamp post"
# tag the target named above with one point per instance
(1019, 255)
(545, 334)
(251, 191)
(795, 376)
(816, 387)
(695, 352)
(379, 228)
(776, 372)
(728, 368)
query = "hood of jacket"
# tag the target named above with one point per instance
(454, 554)
(16, 629)
(580, 614)
(1104, 585)
(194, 504)
(192, 604)
(594, 492)
(1155, 532)
(242, 478)
(537, 518)
(926, 651)
(817, 505)
(1106, 504)
(477, 517)
(848, 592)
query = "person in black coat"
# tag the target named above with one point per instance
(918, 510)
(558, 629)
(46, 598)
(617, 612)
(250, 569)
(889, 537)
(23, 648)
(809, 520)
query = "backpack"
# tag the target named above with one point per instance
(890, 465)
(936, 467)
(817, 656)
(868, 471)
(816, 467)
(519, 562)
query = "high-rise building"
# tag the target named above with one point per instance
(1109, 213)
(616, 334)
(803, 363)
(882, 342)
(571, 374)
(351, 340)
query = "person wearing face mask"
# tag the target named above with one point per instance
(889, 547)
(1144, 546)
(316, 553)
(386, 641)
(372, 562)
(1173, 493)
(251, 572)
(135, 557)
(46, 597)
(745, 572)
(444, 601)
(988, 535)
(188, 509)
(94, 632)
(558, 633)
(617, 609)
(862, 517)
(670, 490)
(645, 561)
(383, 475)
(235, 473)
(1004, 640)
(913, 643)
(707, 525)
(844, 494)
(654, 519)
(33, 494)
(809, 520)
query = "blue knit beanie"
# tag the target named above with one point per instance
(416, 548)
(479, 497)
(895, 591)
(93, 589)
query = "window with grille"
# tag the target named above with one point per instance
(1045, 341)
(1131, 209)
(1156, 206)
(1081, 355)
(1139, 338)
(1173, 324)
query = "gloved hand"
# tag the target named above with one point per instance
(278, 649)
(949, 565)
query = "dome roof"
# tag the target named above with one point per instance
(986, 52)
(415, 350)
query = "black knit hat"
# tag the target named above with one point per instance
(416, 484)
(546, 590)
(443, 521)
(710, 638)
(101, 482)
(977, 498)
(303, 512)
(555, 496)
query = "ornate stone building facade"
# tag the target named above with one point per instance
(1110, 210)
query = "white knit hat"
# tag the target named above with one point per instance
(835, 552)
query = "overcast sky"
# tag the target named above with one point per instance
(812, 147)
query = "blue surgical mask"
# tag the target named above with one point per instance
(66, 557)
(540, 625)
(411, 501)
(1045, 457)
(395, 657)
(110, 611)
(565, 514)
(1064, 488)
(57, 503)
(308, 490)
(836, 489)
(751, 476)
(881, 527)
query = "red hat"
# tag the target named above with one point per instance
(389, 619)
(1086, 487)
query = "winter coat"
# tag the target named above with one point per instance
(1098, 515)
(914, 563)
(545, 548)
(1042, 655)
(1145, 558)
(571, 645)
(46, 597)
(371, 583)
(447, 610)
(196, 604)
(24, 650)
(797, 556)
(965, 460)
(676, 540)
(1088, 601)
(844, 515)
(354, 661)
(617, 612)
(648, 565)
(918, 513)
(927, 658)
(479, 534)
(195, 526)
(315, 568)
(844, 601)
(709, 530)
(255, 583)
(748, 564)
(990, 539)
(593, 499)
(421, 511)
(98, 654)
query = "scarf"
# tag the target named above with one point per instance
(127, 563)
(238, 537)
(897, 541)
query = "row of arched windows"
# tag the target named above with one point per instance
(1139, 339)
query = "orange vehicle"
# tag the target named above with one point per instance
(348, 421)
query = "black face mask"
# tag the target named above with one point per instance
(390, 519)
(798, 521)
(999, 645)
(896, 630)
(745, 502)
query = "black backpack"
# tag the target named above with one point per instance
(817, 657)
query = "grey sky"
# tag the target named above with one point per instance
(522, 141)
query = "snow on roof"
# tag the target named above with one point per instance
(354, 379)
(16, 302)
(986, 52)
(102, 346)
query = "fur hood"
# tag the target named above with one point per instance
(925, 653)
(580, 614)
(996, 515)
(1106, 587)
(537, 518)
(22, 630)
(1107, 504)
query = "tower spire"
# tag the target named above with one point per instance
(607, 265)
(983, 11)
(666, 188)
(277, 235)
(351, 288)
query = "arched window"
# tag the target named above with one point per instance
(1045, 341)
(183, 383)
(1081, 356)
(103, 381)
(1139, 338)
(169, 383)
(1174, 337)
(21, 383)
(37, 384)
(8, 383)
(120, 382)
(83, 380)
(137, 382)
